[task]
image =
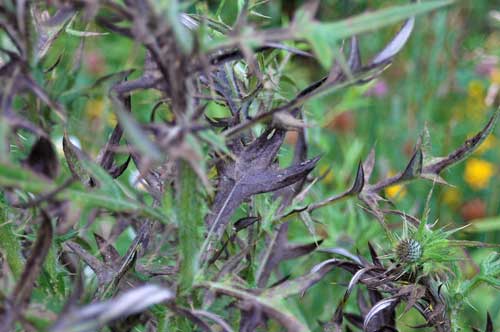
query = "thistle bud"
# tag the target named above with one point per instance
(408, 251)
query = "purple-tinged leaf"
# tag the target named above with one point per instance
(116, 170)
(296, 286)
(369, 165)
(359, 181)
(354, 60)
(465, 150)
(374, 255)
(243, 223)
(396, 44)
(43, 159)
(215, 318)
(342, 252)
(251, 173)
(103, 272)
(338, 315)
(270, 308)
(414, 167)
(356, 188)
(49, 28)
(383, 308)
(96, 315)
(109, 254)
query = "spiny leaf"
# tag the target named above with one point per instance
(359, 181)
(414, 167)
(251, 173)
(465, 150)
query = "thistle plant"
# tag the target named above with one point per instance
(191, 208)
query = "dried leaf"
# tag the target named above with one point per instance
(414, 167)
(43, 158)
(282, 316)
(251, 173)
(465, 150)
(109, 254)
(359, 181)
(96, 315)
(369, 165)
(381, 311)
(103, 272)
(73, 157)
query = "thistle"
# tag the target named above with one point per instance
(408, 251)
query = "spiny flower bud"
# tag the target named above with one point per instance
(408, 251)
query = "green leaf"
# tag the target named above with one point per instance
(137, 136)
(484, 225)
(324, 36)
(190, 222)
(106, 181)
(14, 176)
(9, 244)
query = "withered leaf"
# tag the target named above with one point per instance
(103, 272)
(465, 150)
(414, 167)
(288, 321)
(282, 250)
(359, 181)
(73, 157)
(253, 172)
(109, 254)
(49, 28)
(368, 165)
(93, 316)
(298, 285)
(43, 158)
(381, 315)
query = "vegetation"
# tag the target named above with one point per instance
(249, 165)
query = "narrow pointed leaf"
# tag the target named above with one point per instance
(414, 167)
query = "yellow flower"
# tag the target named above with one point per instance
(475, 90)
(488, 143)
(452, 196)
(396, 191)
(475, 104)
(495, 76)
(96, 108)
(478, 173)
